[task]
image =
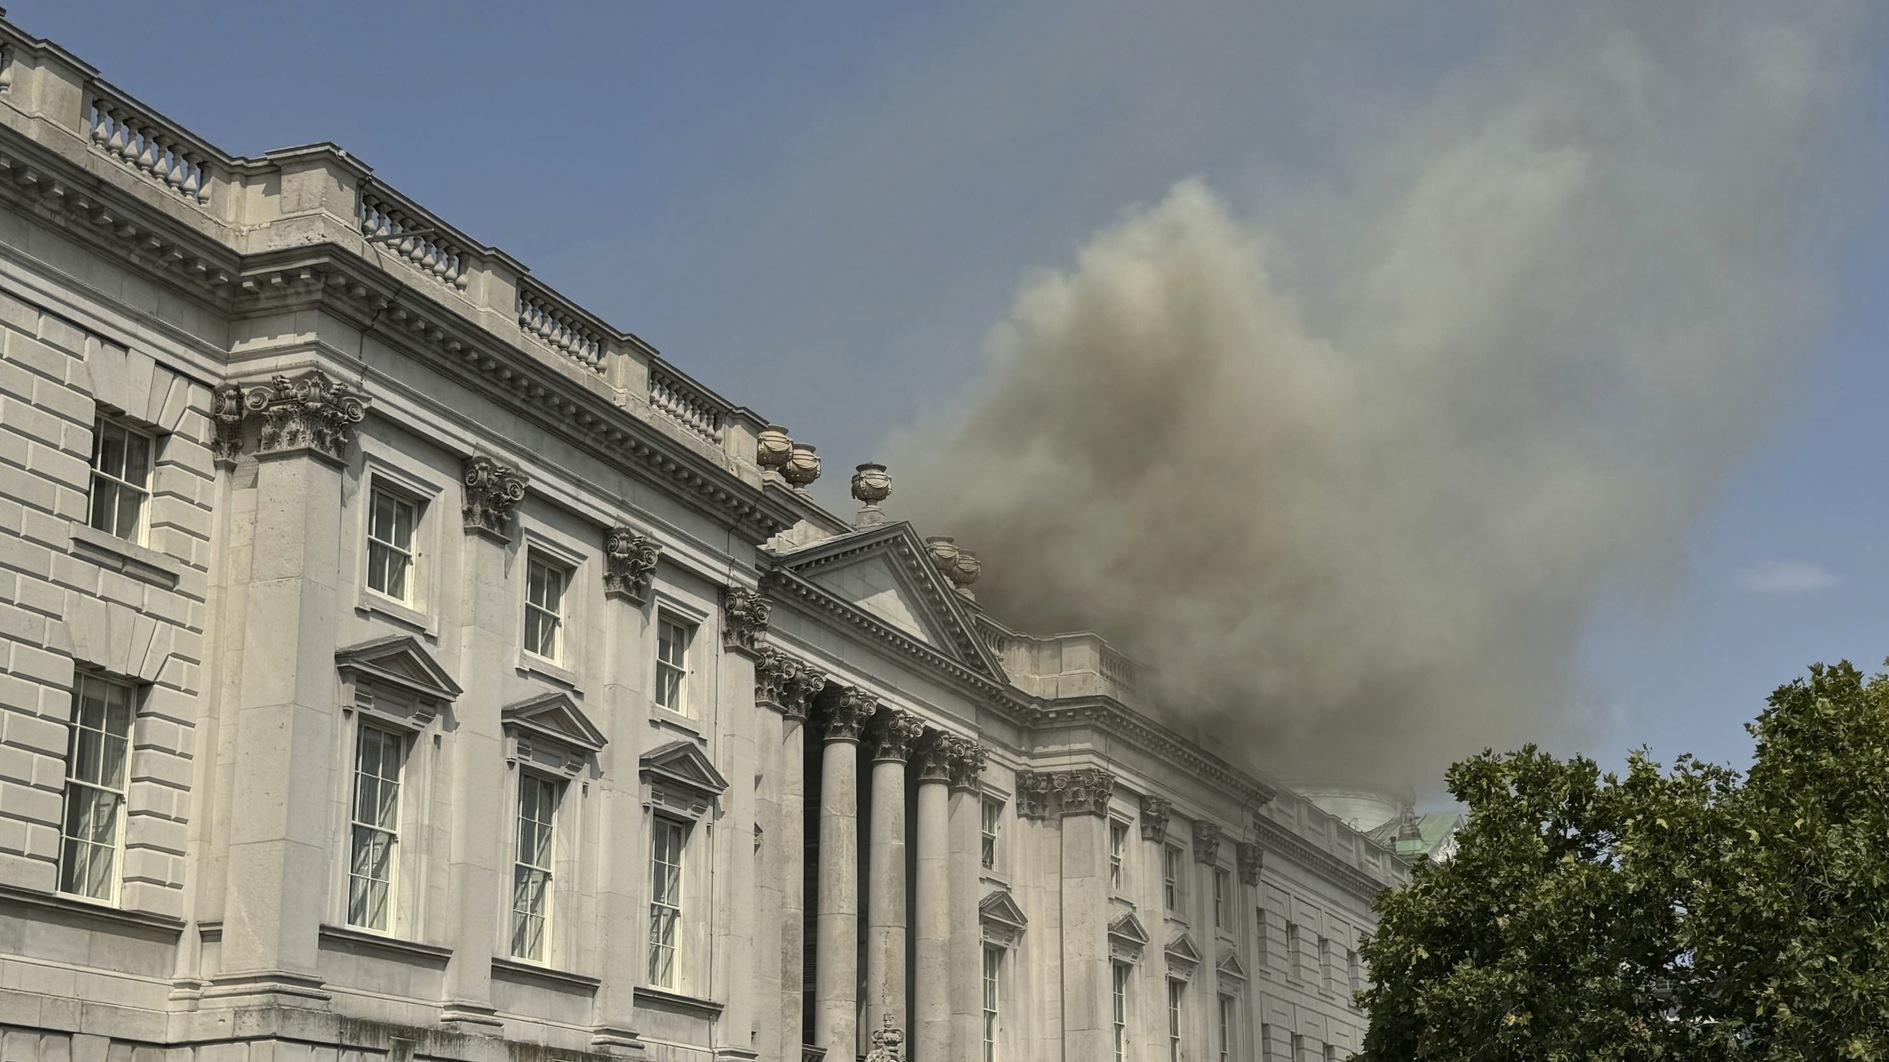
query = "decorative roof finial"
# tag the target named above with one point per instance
(872, 484)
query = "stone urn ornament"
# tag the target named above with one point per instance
(802, 467)
(944, 553)
(964, 571)
(773, 448)
(872, 484)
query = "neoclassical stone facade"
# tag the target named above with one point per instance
(398, 661)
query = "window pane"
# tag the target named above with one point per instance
(137, 460)
(130, 503)
(104, 505)
(110, 449)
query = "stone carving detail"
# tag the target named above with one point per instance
(848, 712)
(943, 550)
(802, 467)
(967, 764)
(893, 733)
(1251, 860)
(964, 571)
(1034, 791)
(888, 1043)
(493, 492)
(1084, 792)
(744, 619)
(934, 756)
(871, 485)
(1154, 818)
(308, 413)
(772, 448)
(629, 563)
(801, 683)
(770, 678)
(1206, 842)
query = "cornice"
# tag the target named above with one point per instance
(1118, 720)
(942, 600)
(1334, 869)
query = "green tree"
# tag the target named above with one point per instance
(1688, 913)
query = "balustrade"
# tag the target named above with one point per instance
(159, 152)
(413, 238)
(686, 404)
(541, 316)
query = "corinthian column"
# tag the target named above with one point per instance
(891, 737)
(836, 945)
(966, 991)
(789, 685)
(931, 1026)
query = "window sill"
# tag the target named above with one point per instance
(991, 877)
(662, 997)
(374, 603)
(115, 554)
(388, 946)
(529, 664)
(525, 969)
(89, 910)
(664, 719)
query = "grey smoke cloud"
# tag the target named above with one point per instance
(1351, 470)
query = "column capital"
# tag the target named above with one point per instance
(493, 491)
(893, 733)
(629, 563)
(933, 756)
(967, 764)
(307, 414)
(1251, 860)
(1154, 818)
(744, 615)
(785, 683)
(1206, 842)
(846, 715)
(1085, 791)
(1034, 791)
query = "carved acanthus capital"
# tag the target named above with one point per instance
(770, 677)
(892, 735)
(744, 619)
(933, 756)
(847, 713)
(629, 563)
(802, 682)
(1085, 791)
(309, 414)
(967, 764)
(493, 491)
(1035, 790)
(1251, 859)
(1206, 842)
(1154, 818)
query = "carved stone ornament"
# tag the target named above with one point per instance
(771, 667)
(1206, 842)
(943, 550)
(893, 734)
(872, 484)
(933, 755)
(888, 1043)
(744, 619)
(493, 492)
(772, 447)
(964, 571)
(1085, 791)
(1154, 818)
(799, 686)
(309, 414)
(847, 714)
(1251, 860)
(1035, 789)
(629, 563)
(802, 467)
(967, 764)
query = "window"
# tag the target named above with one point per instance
(672, 662)
(665, 900)
(1171, 878)
(375, 827)
(1265, 1042)
(1259, 922)
(1331, 1053)
(1117, 852)
(121, 479)
(1222, 888)
(1298, 1047)
(993, 818)
(544, 606)
(531, 865)
(1352, 971)
(1118, 998)
(1176, 990)
(1326, 972)
(993, 969)
(1294, 955)
(1226, 1028)
(95, 787)
(391, 519)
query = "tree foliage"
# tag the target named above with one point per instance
(1690, 913)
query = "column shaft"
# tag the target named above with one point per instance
(965, 976)
(931, 1026)
(885, 898)
(793, 903)
(836, 952)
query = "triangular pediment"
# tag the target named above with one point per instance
(685, 764)
(557, 717)
(1181, 949)
(999, 907)
(1129, 930)
(1230, 966)
(887, 574)
(400, 662)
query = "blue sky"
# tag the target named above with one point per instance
(823, 210)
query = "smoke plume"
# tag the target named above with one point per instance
(1350, 470)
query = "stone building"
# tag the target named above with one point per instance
(398, 661)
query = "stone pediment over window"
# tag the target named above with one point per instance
(1183, 958)
(1126, 938)
(1230, 970)
(551, 731)
(395, 678)
(680, 778)
(1002, 919)
(887, 574)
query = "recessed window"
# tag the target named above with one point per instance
(993, 972)
(672, 662)
(95, 787)
(1294, 953)
(1227, 1025)
(1177, 992)
(1352, 971)
(1326, 972)
(375, 827)
(1331, 1053)
(993, 817)
(665, 900)
(1118, 999)
(1171, 862)
(544, 606)
(1117, 852)
(1222, 889)
(391, 519)
(1298, 1046)
(531, 866)
(121, 479)
(1265, 1042)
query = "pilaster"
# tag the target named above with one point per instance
(1087, 1012)
(621, 895)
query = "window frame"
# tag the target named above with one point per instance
(552, 564)
(990, 822)
(1117, 853)
(1173, 871)
(379, 486)
(1222, 899)
(551, 789)
(1121, 986)
(390, 904)
(1177, 999)
(660, 826)
(668, 619)
(83, 678)
(992, 998)
(119, 483)
(1227, 1019)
